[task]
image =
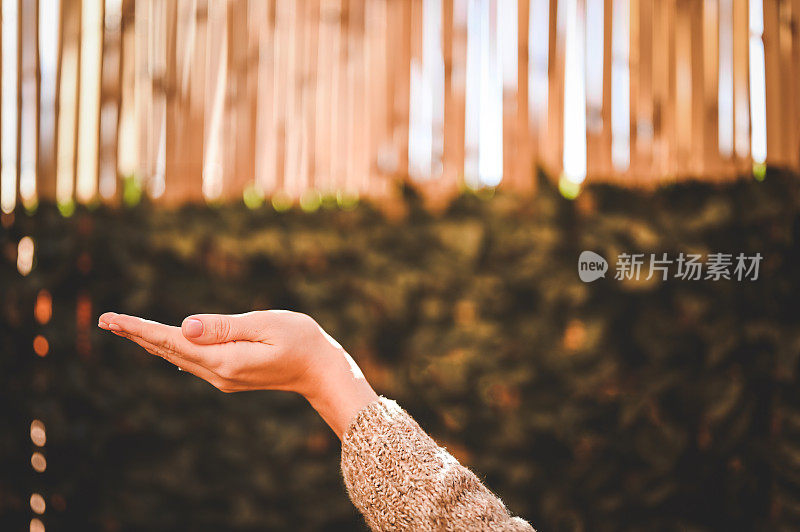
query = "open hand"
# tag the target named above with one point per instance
(273, 349)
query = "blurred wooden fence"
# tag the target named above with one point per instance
(214, 99)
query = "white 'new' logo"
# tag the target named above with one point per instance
(591, 266)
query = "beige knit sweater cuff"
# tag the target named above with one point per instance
(400, 479)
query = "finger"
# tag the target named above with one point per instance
(168, 339)
(167, 355)
(221, 328)
(105, 319)
(182, 364)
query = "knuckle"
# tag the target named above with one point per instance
(168, 346)
(222, 328)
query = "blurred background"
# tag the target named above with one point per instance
(420, 176)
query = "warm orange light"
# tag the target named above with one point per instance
(39, 462)
(83, 311)
(574, 335)
(41, 346)
(36, 525)
(43, 310)
(37, 503)
(25, 255)
(38, 435)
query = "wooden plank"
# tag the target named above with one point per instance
(776, 154)
(554, 146)
(523, 168)
(602, 156)
(711, 155)
(376, 80)
(309, 87)
(67, 104)
(50, 60)
(741, 88)
(644, 104)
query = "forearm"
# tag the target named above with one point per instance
(400, 479)
(395, 473)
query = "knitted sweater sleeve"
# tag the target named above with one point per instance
(400, 479)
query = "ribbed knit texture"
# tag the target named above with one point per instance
(400, 479)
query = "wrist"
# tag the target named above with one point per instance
(337, 389)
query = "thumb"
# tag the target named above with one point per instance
(218, 328)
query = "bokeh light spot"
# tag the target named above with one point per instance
(25, 255)
(41, 346)
(38, 435)
(43, 310)
(568, 188)
(37, 503)
(39, 462)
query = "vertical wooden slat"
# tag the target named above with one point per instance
(67, 104)
(214, 110)
(293, 179)
(782, 39)
(790, 47)
(29, 112)
(143, 89)
(509, 95)
(10, 97)
(356, 170)
(775, 97)
(89, 99)
(711, 158)
(238, 167)
(174, 175)
(195, 97)
(552, 154)
(602, 154)
(683, 86)
(110, 103)
(402, 86)
(416, 67)
(337, 122)
(633, 62)
(309, 87)
(795, 70)
(697, 160)
(644, 120)
(661, 86)
(376, 79)
(741, 86)
(595, 80)
(725, 100)
(523, 157)
(269, 49)
(669, 114)
(49, 56)
(325, 101)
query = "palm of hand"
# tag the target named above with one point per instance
(258, 350)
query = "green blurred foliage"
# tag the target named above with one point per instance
(603, 406)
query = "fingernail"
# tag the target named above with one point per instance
(114, 327)
(193, 328)
(102, 324)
